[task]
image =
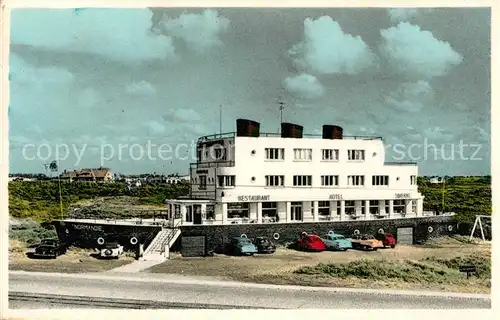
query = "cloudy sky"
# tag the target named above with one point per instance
(102, 85)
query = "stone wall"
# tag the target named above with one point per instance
(289, 232)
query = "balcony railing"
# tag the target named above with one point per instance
(211, 164)
(403, 163)
(228, 135)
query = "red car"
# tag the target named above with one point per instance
(387, 239)
(310, 242)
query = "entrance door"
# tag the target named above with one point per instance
(405, 235)
(197, 213)
(296, 211)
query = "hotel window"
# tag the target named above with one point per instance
(414, 206)
(177, 213)
(189, 214)
(210, 212)
(380, 180)
(275, 154)
(413, 180)
(302, 154)
(269, 209)
(374, 208)
(355, 180)
(363, 206)
(238, 210)
(275, 181)
(336, 204)
(399, 206)
(324, 208)
(350, 206)
(329, 180)
(302, 181)
(218, 154)
(356, 155)
(387, 206)
(203, 182)
(226, 181)
(330, 154)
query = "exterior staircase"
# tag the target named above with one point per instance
(158, 250)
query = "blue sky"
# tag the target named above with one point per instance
(101, 85)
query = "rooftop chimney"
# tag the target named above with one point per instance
(291, 130)
(332, 132)
(247, 128)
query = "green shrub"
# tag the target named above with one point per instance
(424, 271)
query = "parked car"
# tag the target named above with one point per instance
(49, 248)
(111, 250)
(242, 246)
(366, 242)
(264, 245)
(310, 242)
(387, 239)
(335, 241)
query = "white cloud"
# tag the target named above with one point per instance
(23, 74)
(198, 31)
(155, 127)
(304, 86)
(88, 98)
(327, 49)
(402, 14)
(184, 115)
(410, 97)
(410, 50)
(116, 34)
(141, 88)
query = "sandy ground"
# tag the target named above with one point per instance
(278, 268)
(275, 268)
(74, 261)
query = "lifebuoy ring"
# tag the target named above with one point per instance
(331, 232)
(100, 241)
(276, 236)
(430, 229)
(380, 231)
(133, 240)
(243, 235)
(356, 231)
(108, 252)
(450, 228)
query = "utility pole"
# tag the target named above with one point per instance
(281, 106)
(220, 119)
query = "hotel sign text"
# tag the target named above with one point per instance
(336, 196)
(254, 198)
(402, 195)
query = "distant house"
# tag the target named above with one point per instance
(94, 175)
(174, 179)
(436, 180)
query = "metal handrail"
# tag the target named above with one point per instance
(171, 235)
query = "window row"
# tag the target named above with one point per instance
(298, 180)
(306, 154)
(325, 208)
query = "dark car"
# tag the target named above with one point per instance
(49, 248)
(264, 245)
(241, 246)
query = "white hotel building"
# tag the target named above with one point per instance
(252, 177)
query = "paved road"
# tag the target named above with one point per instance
(161, 289)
